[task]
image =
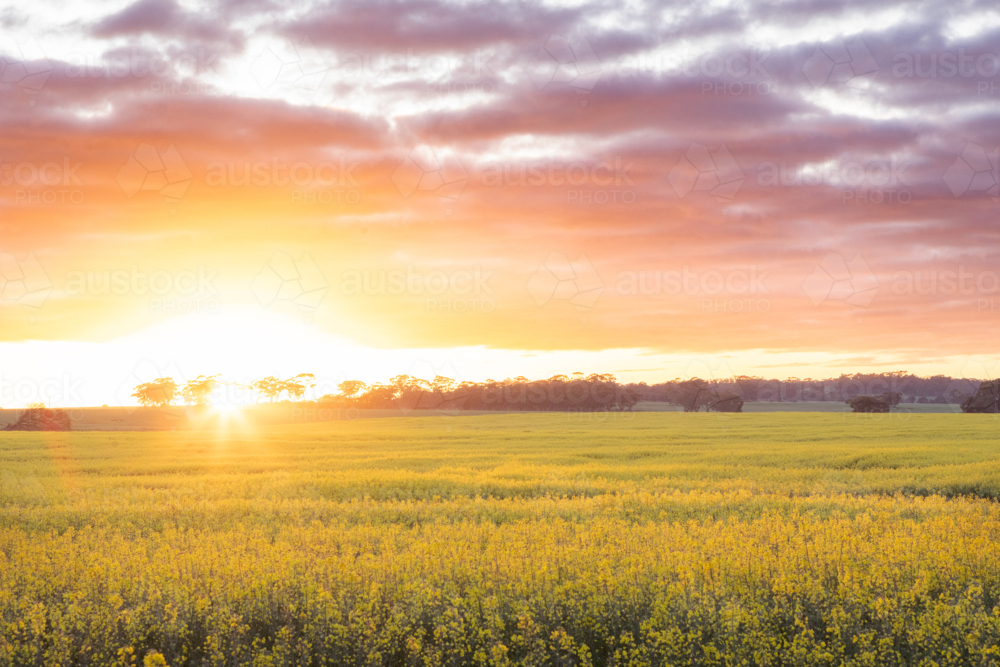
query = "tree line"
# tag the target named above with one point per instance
(862, 392)
(561, 392)
(575, 392)
(937, 389)
(162, 392)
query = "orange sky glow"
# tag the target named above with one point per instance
(192, 189)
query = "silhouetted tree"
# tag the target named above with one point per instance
(269, 387)
(40, 418)
(867, 404)
(351, 388)
(726, 402)
(160, 392)
(692, 395)
(296, 387)
(199, 391)
(891, 397)
(986, 398)
(272, 388)
(578, 393)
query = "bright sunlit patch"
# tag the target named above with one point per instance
(971, 25)
(853, 102)
(235, 340)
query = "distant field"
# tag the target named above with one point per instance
(182, 417)
(807, 406)
(517, 539)
(187, 417)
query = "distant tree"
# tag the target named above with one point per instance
(160, 392)
(412, 393)
(351, 388)
(296, 387)
(891, 397)
(627, 398)
(867, 404)
(958, 396)
(986, 398)
(272, 388)
(269, 387)
(443, 385)
(726, 402)
(691, 394)
(199, 391)
(40, 418)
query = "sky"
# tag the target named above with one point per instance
(364, 188)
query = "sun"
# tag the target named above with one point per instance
(238, 342)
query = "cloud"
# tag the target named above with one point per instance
(161, 18)
(399, 26)
(812, 165)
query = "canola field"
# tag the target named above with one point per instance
(516, 539)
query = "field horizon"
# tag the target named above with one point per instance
(287, 412)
